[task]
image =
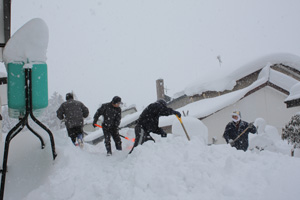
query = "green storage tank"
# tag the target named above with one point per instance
(16, 88)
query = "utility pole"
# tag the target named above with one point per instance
(160, 89)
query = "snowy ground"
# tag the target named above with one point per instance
(171, 168)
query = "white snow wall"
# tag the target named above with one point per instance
(266, 103)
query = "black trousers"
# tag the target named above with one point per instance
(74, 132)
(143, 135)
(114, 133)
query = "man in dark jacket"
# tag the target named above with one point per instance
(148, 122)
(112, 117)
(235, 128)
(73, 112)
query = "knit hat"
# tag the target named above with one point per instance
(162, 102)
(69, 96)
(116, 100)
(237, 114)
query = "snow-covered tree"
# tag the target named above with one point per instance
(291, 131)
(7, 122)
(48, 117)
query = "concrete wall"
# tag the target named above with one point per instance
(266, 103)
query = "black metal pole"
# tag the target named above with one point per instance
(49, 133)
(37, 135)
(36, 120)
(9, 137)
(24, 122)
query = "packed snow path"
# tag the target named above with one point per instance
(171, 168)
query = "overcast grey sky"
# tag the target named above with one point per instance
(101, 48)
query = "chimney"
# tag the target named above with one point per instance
(160, 89)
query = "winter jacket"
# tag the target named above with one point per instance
(111, 114)
(73, 112)
(233, 130)
(150, 116)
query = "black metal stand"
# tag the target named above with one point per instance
(20, 125)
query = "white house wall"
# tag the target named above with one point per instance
(266, 103)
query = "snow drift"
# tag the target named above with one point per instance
(171, 168)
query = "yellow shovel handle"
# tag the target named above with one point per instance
(179, 119)
(187, 135)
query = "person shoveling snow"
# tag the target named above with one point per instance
(148, 122)
(237, 131)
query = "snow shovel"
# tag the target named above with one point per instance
(241, 134)
(188, 137)
(119, 134)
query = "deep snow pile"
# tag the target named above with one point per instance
(171, 168)
(267, 138)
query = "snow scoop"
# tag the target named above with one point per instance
(127, 138)
(188, 137)
(241, 134)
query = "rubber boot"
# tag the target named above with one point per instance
(119, 146)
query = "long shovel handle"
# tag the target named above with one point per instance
(119, 134)
(127, 138)
(98, 125)
(240, 134)
(187, 135)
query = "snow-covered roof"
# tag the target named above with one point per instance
(294, 92)
(133, 106)
(282, 80)
(221, 81)
(206, 107)
(128, 119)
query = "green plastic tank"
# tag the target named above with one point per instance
(16, 88)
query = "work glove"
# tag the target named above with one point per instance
(230, 142)
(164, 135)
(177, 113)
(251, 125)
